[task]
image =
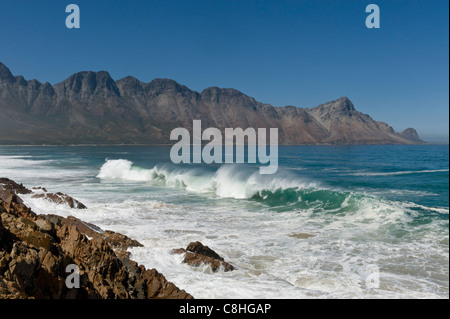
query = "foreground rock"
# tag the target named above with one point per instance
(8, 186)
(196, 254)
(36, 249)
(301, 235)
(115, 240)
(60, 198)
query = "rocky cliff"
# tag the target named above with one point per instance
(36, 249)
(92, 108)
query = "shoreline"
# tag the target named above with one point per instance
(283, 145)
(48, 244)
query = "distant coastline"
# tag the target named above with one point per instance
(91, 108)
(168, 145)
(437, 141)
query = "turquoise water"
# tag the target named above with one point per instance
(367, 207)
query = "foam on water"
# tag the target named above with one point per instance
(238, 213)
(23, 168)
(229, 181)
(272, 264)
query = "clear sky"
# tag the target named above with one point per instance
(300, 53)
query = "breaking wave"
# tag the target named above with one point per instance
(284, 190)
(228, 181)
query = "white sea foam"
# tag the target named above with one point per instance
(123, 169)
(229, 181)
(23, 168)
(358, 232)
(440, 210)
(272, 264)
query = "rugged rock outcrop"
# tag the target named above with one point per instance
(196, 254)
(35, 251)
(92, 108)
(411, 135)
(116, 240)
(60, 198)
(8, 186)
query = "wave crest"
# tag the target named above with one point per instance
(229, 181)
(238, 182)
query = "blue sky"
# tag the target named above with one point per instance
(300, 53)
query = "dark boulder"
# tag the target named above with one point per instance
(196, 254)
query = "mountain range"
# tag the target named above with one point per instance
(92, 108)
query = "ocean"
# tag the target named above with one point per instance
(333, 222)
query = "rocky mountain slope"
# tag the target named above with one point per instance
(92, 108)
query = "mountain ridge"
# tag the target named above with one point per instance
(92, 108)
